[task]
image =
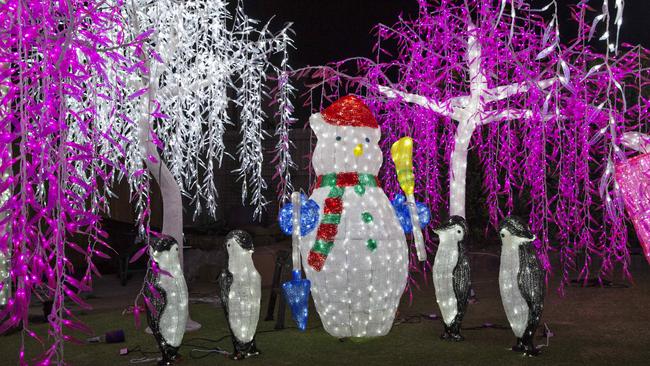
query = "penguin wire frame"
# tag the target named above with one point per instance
(534, 87)
(77, 80)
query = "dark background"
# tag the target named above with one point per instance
(331, 30)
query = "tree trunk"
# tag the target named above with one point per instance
(458, 168)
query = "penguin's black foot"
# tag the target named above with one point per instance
(245, 350)
(532, 352)
(519, 347)
(456, 337)
(169, 361)
(244, 355)
(445, 336)
(252, 352)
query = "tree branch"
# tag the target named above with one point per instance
(506, 91)
(442, 108)
(507, 115)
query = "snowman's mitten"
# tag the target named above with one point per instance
(308, 216)
(400, 205)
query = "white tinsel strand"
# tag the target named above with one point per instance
(286, 91)
(217, 108)
(251, 73)
(606, 187)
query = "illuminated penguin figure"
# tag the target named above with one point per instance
(357, 257)
(166, 291)
(521, 282)
(241, 290)
(451, 276)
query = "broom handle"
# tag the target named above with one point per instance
(417, 232)
(295, 235)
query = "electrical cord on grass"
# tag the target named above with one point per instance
(207, 351)
(145, 356)
(417, 318)
(198, 351)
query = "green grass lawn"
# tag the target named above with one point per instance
(591, 326)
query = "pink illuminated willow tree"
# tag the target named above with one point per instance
(94, 92)
(545, 115)
(55, 58)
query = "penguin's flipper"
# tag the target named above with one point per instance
(462, 284)
(156, 297)
(532, 286)
(225, 281)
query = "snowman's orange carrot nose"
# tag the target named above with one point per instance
(358, 150)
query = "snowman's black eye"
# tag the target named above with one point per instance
(503, 235)
(338, 138)
(459, 231)
(367, 139)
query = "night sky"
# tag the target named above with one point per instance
(330, 30)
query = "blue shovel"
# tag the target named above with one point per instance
(296, 291)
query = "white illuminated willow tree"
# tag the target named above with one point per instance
(199, 70)
(199, 66)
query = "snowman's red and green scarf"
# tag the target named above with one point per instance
(328, 227)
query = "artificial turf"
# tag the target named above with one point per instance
(590, 326)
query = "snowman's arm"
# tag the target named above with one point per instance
(404, 217)
(308, 218)
(424, 214)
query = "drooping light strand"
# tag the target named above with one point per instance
(282, 160)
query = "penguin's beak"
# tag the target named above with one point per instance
(358, 150)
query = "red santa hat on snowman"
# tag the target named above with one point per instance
(348, 111)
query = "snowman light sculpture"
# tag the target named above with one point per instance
(356, 257)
